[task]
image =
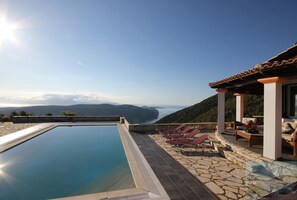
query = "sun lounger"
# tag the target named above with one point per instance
(189, 135)
(177, 128)
(193, 143)
(171, 129)
(184, 131)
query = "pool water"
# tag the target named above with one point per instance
(65, 161)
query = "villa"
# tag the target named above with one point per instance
(147, 166)
(276, 79)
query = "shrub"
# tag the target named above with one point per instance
(67, 113)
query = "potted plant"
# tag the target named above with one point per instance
(251, 127)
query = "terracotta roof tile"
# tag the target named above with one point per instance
(285, 55)
(257, 69)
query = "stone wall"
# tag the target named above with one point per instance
(208, 126)
(43, 119)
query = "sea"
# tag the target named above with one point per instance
(164, 111)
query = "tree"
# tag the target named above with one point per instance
(68, 114)
(14, 113)
(23, 113)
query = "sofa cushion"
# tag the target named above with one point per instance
(287, 128)
(293, 124)
(246, 120)
(287, 120)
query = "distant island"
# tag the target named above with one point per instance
(134, 114)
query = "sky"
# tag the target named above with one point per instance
(142, 52)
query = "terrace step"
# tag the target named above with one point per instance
(264, 177)
(254, 162)
(229, 154)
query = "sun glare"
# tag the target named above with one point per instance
(6, 31)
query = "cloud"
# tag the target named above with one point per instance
(21, 99)
(84, 65)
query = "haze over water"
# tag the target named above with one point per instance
(164, 111)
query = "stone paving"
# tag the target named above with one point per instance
(9, 127)
(178, 182)
(221, 176)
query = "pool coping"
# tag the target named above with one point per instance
(146, 182)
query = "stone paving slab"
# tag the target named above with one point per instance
(221, 176)
(178, 182)
(9, 127)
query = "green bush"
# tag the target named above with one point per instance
(68, 114)
(5, 119)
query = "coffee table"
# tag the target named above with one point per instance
(254, 139)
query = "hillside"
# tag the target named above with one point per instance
(133, 114)
(206, 110)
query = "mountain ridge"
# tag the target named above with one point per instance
(206, 110)
(134, 114)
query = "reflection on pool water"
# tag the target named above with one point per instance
(65, 161)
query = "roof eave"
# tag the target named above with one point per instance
(260, 69)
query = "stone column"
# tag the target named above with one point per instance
(221, 110)
(272, 143)
(239, 106)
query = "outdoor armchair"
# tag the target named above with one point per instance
(245, 121)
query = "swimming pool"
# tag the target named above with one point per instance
(75, 161)
(65, 161)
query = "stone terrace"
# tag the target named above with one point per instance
(178, 182)
(221, 176)
(9, 127)
(224, 178)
